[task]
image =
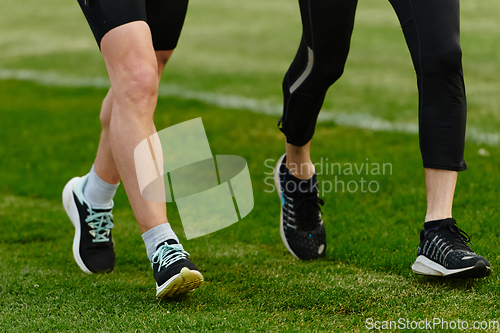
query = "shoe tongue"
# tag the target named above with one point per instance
(168, 241)
(449, 225)
(101, 210)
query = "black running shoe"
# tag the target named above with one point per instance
(301, 227)
(443, 252)
(93, 244)
(175, 274)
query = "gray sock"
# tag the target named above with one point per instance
(97, 192)
(157, 235)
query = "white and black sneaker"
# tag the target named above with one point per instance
(301, 226)
(443, 252)
(174, 273)
(93, 244)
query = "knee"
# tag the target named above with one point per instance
(328, 67)
(139, 88)
(315, 71)
(318, 81)
(321, 78)
(329, 74)
(444, 60)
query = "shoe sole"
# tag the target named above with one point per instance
(72, 212)
(425, 266)
(278, 189)
(187, 280)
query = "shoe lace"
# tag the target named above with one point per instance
(460, 239)
(101, 224)
(167, 254)
(307, 210)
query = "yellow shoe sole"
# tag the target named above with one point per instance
(182, 283)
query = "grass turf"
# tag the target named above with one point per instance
(252, 283)
(49, 135)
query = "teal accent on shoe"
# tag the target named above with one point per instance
(281, 192)
(168, 254)
(101, 223)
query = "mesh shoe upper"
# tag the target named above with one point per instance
(96, 240)
(302, 231)
(93, 242)
(168, 260)
(447, 245)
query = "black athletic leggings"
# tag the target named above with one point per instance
(432, 32)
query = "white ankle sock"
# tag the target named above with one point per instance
(97, 192)
(157, 235)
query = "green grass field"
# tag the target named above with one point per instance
(230, 63)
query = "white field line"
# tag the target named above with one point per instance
(356, 120)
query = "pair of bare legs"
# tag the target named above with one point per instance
(440, 184)
(134, 70)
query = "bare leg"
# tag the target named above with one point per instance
(105, 166)
(133, 70)
(298, 161)
(440, 190)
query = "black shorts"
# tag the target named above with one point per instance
(164, 17)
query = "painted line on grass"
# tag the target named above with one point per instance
(356, 120)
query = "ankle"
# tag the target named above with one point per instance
(434, 216)
(301, 168)
(298, 161)
(293, 184)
